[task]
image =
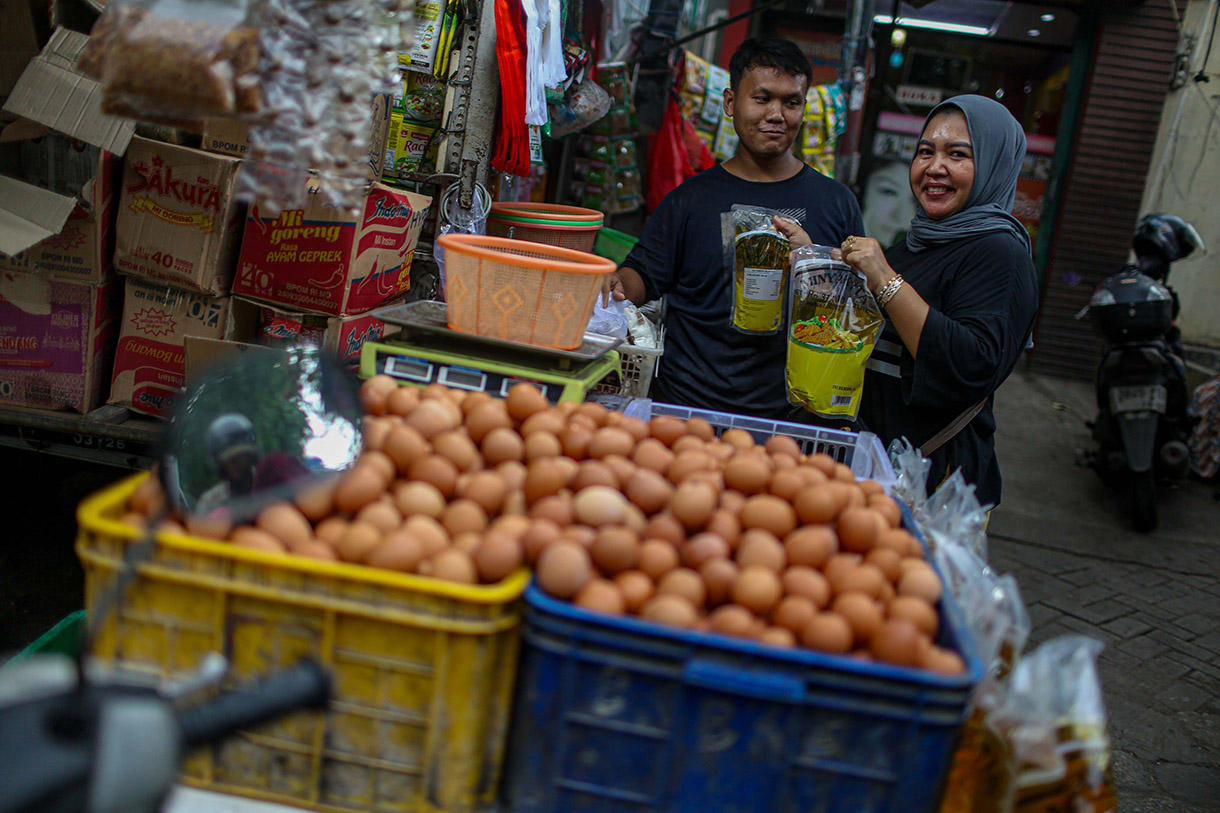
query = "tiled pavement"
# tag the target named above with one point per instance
(1154, 599)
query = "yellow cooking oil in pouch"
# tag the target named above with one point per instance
(833, 325)
(760, 267)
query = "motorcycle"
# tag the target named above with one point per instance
(78, 736)
(1142, 423)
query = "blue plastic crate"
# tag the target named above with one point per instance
(618, 714)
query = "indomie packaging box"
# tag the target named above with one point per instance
(179, 221)
(257, 323)
(324, 260)
(148, 364)
(56, 341)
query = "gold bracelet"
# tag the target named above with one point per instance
(888, 290)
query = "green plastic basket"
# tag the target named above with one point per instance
(613, 244)
(64, 638)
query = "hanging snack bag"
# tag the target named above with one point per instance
(760, 264)
(833, 324)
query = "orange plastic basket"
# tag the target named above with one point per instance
(522, 292)
(551, 224)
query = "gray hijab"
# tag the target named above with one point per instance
(999, 149)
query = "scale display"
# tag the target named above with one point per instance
(421, 366)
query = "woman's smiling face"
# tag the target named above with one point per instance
(942, 173)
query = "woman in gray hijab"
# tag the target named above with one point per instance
(959, 294)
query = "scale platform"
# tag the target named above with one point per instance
(427, 351)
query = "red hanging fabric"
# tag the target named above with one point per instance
(675, 153)
(511, 152)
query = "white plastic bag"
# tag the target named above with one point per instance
(458, 221)
(608, 320)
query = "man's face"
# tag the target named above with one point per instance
(766, 108)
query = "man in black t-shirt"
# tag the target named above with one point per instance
(707, 364)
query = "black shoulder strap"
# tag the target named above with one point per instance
(949, 432)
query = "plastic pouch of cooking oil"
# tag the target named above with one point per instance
(833, 325)
(760, 266)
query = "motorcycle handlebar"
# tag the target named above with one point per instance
(303, 686)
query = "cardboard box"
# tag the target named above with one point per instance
(83, 179)
(149, 362)
(231, 137)
(179, 221)
(56, 341)
(258, 323)
(320, 259)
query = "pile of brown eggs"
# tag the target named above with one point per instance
(659, 519)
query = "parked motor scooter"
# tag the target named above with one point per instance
(1142, 423)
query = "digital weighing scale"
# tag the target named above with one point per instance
(427, 351)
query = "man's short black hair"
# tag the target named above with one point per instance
(769, 52)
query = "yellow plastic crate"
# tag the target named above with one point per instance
(423, 669)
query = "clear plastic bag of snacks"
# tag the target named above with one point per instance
(833, 325)
(760, 267)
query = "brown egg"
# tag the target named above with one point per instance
(437, 471)
(690, 443)
(760, 548)
(581, 534)
(431, 534)
(611, 440)
(733, 502)
(896, 641)
(896, 540)
(552, 423)
(664, 526)
(784, 445)
(693, 504)
(487, 489)
(539, 534)
(916, 610)
(838, 564)
(828, 632)
(254, 539)
(684, 582)
(857, 529)
(777, 636)
(357, 541)
(920, 580)
(807, 583)
(818, 505)
(464, 516)
(787, 483)
(615, 550)
(598, 505)
(512, 474)
(887, 561)
(542, 479)
(467, 542)
(557, 508)
(844, 473)
(402, 401)
(888, 508)
(732, 620)
(283, 521)
(541, 445)
(381, 463)
(432, 418)
(313, 549)
(525, 400)
(374, 431)
(594, 473)
(719, 576)
(331, 530)
(502, 444)
(688, 463)
(622, 467)
(943, 661)
(812, 475)
(636, 588)
(513, 527)
(649, 491)
(374, 392)
(758, 589)
(457, 448)
(864, 578)
(651, 453)
(497, 556)
(700, 428)
(473, 400)
(702, 548)
(811, 545)
(575, 440)
(486, 417)
(747, 473)
(861, 612)
(601, 596)
(793, 613)
(563, 569)
(381, 514)
(454, 565)
(317, 502)
(657, 557)
(738, 438)
(397, 550)
(670, 610)
(666, 429)
(871, 488)
(357, 488)
(635, 427)
(725, 525)
(414, 498)
(769, 513)
(217, 525)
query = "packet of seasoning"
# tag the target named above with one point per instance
(155, 63)
(760, 263)
(833, 325)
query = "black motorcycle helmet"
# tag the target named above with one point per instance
(1165, 237)
(229, 436)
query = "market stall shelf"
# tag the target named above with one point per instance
(109, 435)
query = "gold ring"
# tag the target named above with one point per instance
(851, 242)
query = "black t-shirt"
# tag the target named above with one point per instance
(983, 296)
(707, 364)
